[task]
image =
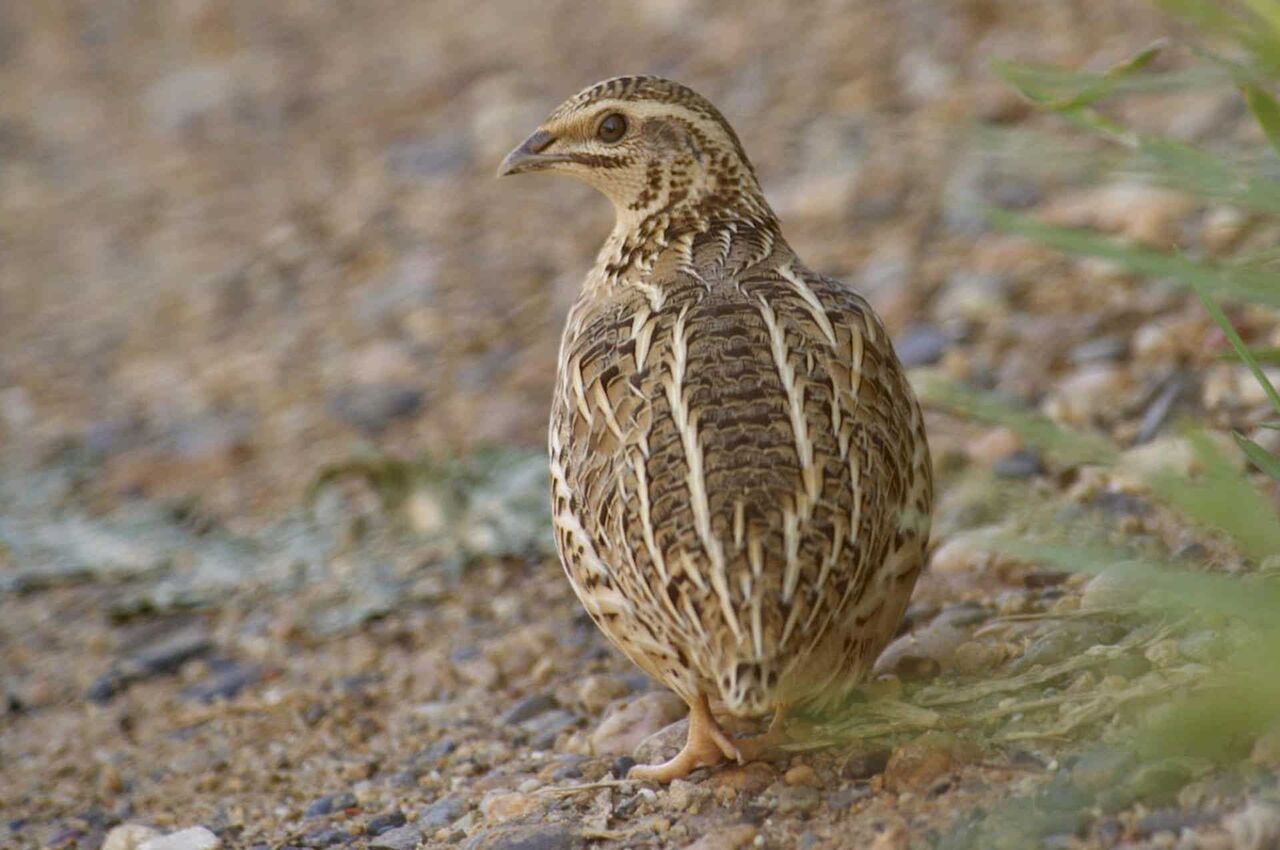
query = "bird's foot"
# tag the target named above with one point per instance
(706, 746)
(768, 746)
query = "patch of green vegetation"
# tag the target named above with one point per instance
(1198, 715)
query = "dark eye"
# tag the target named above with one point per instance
(612, 128)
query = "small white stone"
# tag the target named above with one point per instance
(128, 836)
(1255, 827)
(192, 838)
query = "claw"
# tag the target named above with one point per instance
(706, 746)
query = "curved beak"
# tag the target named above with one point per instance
(530, 155)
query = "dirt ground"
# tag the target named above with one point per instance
(250, 251)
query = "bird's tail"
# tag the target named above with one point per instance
(747, 687)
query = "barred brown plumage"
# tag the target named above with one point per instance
(741, 484)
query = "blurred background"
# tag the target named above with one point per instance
(276, 352)
(240, 237)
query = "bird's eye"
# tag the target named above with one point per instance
(612, 128)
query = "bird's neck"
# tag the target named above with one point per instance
(660, 238)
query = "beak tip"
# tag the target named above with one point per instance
(527, 154)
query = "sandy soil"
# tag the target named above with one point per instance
(247, 251)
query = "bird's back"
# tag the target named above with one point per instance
(740, 478)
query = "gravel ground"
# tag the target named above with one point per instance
(251, 251)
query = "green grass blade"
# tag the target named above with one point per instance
(1237, 344)
(1264, 356)
(1248, 285)
(1190, 169)
(1259, 457)
(1268, 11)
(1058, 443)
(1222, 497)
(1266, 110)
(1068, 91)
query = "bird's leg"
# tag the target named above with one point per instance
(706, 745)
(766, 747)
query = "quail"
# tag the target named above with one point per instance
(740, 480)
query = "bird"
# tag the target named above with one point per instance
(740, 477)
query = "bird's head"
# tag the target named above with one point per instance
(648, 144)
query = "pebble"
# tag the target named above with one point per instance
(799, 799)
(1158, 782)
(442, 812)
(527, 708)
(1163, 653)
(894, 837)
(192, 838)
(400, 838)
(975, 656)
(961, 555)
(329, 804)
(1062, 795)
(1266, 750)
(726, 838)
(1163, 455)
(128, 836)
(840, 800)
(1025, 463)
(802, 774)
(915, 765)
(1102, 348)
(1088, 394)
(1130, 208)
(596, 691)
(1158, 410)
(921, 345)
(1112, 588)
(385, 822)
(991, 445)
(163, 657)
(373, 407)
(866, 764)
(229, 679)
(1170, 820)
(546, 727)
(502, 806)
(1255, 827)
(325, 836)
(434, 754)
(1048, 649)
(749, 779)
(683, 795)
(525, 838)
(925, 652)
(663, 744)
(629, 723)
(975, 296)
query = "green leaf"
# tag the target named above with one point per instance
(1222, 497)
(1248, 285)
(1237, 344)
(1266, 110)
(1255, 32)
(1266, 356)
(1268, 11)
(1067, 91)
(1260, 457)
(1061, 444)
(1184, 167)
